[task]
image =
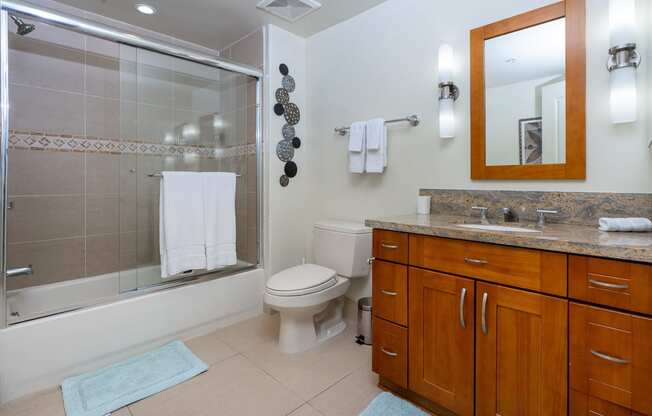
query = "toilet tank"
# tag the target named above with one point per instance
(343, 246)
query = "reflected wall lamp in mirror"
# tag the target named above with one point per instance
(448, 92)
(623, 61)
(528, 95)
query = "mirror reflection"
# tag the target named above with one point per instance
(525, 96)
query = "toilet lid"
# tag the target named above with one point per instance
(301, 280)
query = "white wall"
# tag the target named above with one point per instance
(41, 353)
(383, 63)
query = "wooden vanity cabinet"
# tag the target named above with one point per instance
(441, 334)
(521, 352)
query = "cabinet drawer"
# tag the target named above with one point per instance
(611, 357)
(529, 269)
(583, 405)
(620, 284)
(390, 350)
(391, 246)
(390, 292)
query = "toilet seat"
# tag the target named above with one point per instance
(301, 280)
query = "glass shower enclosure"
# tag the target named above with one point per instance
(90, 117)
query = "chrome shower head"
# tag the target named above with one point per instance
(22, 28)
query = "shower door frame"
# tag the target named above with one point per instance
(87, 27)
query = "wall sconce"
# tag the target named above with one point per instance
(448, 92)
(623, 61)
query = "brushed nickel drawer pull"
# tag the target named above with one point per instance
(475, 261)
(371, 260)
(389, 246)
(462, 301)
(385, 292)
(610, 358)
(391, 354)
(485, 298)
(608, 285)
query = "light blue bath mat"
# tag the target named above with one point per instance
(386, 404)
(109, 389)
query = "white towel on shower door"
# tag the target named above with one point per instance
(219, 218)
(181, 223)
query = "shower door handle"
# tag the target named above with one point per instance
(20, 271)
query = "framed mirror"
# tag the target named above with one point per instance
(528, 83)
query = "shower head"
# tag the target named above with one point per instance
(22, 28)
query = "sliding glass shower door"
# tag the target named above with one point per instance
(92, 124)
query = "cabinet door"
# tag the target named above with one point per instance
(390, 292)
(521, 353)
(441, 339)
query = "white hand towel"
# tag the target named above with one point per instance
(181, 223)
(357, 147)
(376, 146)
(625, 224)
(219, 218)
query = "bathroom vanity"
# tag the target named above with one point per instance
(553, 321)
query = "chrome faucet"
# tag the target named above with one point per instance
(483, 214)
(541, 214)
(509, 215)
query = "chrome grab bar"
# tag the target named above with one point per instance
(606, 285)
(610, 358)
(462, 301)
(391, 354)
(485, 298)
(384, 292)
(20, 271)
(389, 246)
(475, 261)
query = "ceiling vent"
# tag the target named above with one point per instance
(290, 10)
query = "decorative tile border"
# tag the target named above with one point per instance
(38, 141)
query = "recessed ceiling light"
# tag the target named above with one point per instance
(146, 8)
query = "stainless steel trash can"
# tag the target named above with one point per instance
(364, 322)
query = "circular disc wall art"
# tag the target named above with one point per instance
(284, 150)
(291, 169)
(282, 96)
(288, 83)
(296, 142)
(289, 132)
(292, 113)
(284, 181)
(283, 69)
(279, 109)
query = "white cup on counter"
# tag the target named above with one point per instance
(423, 205)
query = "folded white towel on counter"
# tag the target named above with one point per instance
(376, 146)
(357, 147)
(625, 224)
(181, 223)
(219, 219)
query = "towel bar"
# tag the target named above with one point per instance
(158, 175)
(413, 120)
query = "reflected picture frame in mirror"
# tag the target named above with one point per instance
(571, 157)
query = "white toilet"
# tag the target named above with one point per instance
(309, 297)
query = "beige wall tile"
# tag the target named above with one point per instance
(102, 76)
(52, 261)
(102, 173)
(155, 84)
(129, 174)
(129, 120)
(43, 172)
(36, 218)
(102, 254)
(128, 212)
(128, 250)
(102, 47)
(103, 117)
(103, 214)
(55, 112)
(155, 124)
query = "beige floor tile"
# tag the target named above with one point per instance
(349, 396)
(311, 372)
(46, 403)
(305, 410)
(122, 412)
(232, 387)
(210, 349)
(246, 334)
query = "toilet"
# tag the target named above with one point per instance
(309, 297)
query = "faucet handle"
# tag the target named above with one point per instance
(483, 213)
(541, 213)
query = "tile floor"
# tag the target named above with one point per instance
(249, 376)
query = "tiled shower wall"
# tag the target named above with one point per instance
(90, 119)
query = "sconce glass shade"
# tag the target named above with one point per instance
(446, 118)
(446, 63)
(623, 97)
(622, 21)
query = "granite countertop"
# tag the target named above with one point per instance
(565, 238)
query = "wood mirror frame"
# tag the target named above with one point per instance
(575, 167)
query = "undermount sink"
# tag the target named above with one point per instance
(489, 227)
